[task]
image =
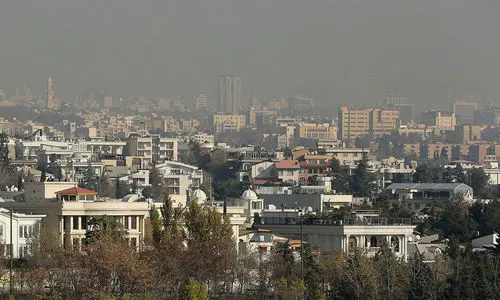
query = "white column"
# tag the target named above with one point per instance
(347, 243)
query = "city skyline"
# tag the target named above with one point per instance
(333, 52)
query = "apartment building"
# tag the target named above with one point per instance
(152, 149)
(179, 178)
(316, 131)
(368, 121)
(228, 123)
(441, 120)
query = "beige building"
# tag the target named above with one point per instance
(368, 121)
(45, 190)
(228, 123)
(441, 120)
(316, 131)
(200, 102)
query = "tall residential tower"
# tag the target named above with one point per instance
(52, 101)
(230, 94)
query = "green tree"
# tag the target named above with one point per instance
(363, 181)
(193, 290)
(443, 156)
(422, 174)
(172, 218)
(209, 235)
(4, 150)
(54, 167)
(479, 182)
(90, 179)
(122, 189)
(421, 284)
(454, 222)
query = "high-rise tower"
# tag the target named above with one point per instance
(52, 101)
(230, 94)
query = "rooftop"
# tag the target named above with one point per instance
(287, 164)
(424, 186)
(76, 191)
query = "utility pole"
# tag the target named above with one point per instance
(11, 248)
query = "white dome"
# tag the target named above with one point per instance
(199, 196)
(249, 195)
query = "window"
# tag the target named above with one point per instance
(84, 222)
(76, 223)
(23, 251)
(134, 223)
(25, 231)
(1, 230)
(126, 222)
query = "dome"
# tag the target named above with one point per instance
(249, 195)
(199, 196)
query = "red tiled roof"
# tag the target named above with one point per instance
(76, 191)
(287, 164)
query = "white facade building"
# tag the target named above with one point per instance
(179, 178)
(23, 228)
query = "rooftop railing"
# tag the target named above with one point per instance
(364, 221)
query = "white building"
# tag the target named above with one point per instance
(203, 138)
(366, 231)
(68, 216)
(179, 178)
(23, 228)
(152, 148)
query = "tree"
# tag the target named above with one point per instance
(172, 218)
(90, 179)
(54, 167)
(420, 278)
(19, 149)
(147, 192)
(193, 290)
(422, 174)
(104, 186)
(341, 177)
(103, 225)
(122, 189)
(209, 235)
(480, 183)
(443, 156)
(8, 176)
(4, 150)
(453, 222)
(257, 219)
(363, 181)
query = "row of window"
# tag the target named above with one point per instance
(80, 223)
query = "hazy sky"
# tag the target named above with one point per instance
(335, 51)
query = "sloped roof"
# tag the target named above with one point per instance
(76, 191)
(287, 164)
